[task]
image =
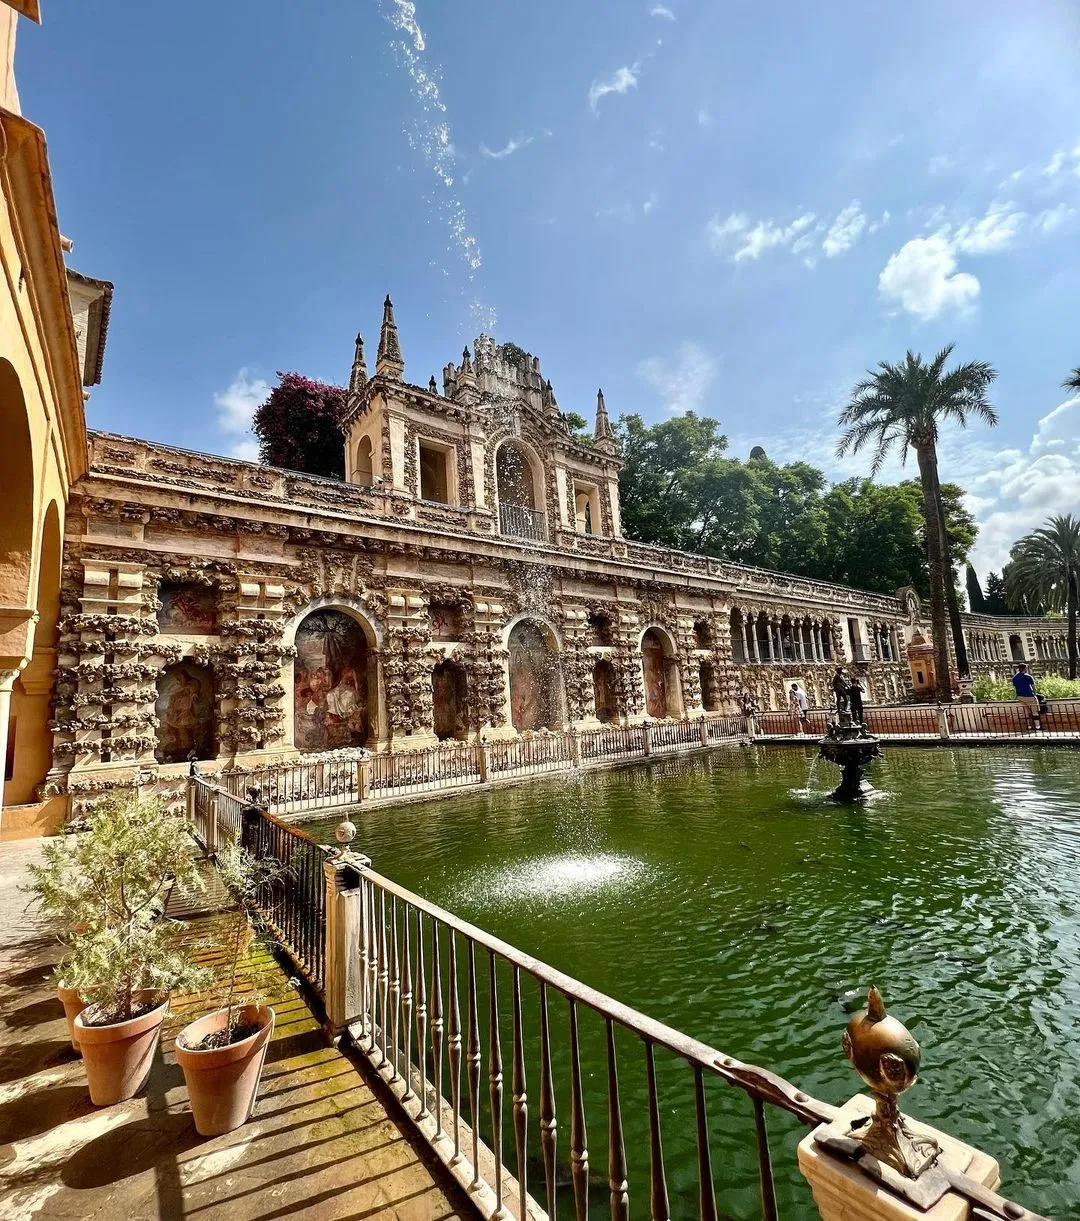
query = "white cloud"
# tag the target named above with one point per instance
(736, 236)
(625, 79)
(879, 224)
(992, 232)
(922, 279)
(941, 164)
(649, 203)
(845, 231)
(704, 119)
(1056, 164)
(662, 10)
(236, 405)
(508, 149)
(1053, 218)
(681, 382)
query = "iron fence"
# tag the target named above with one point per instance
(449, 765)
(294, 906)
(440, 1001)
(542, 752)
(1057, 720)
(288, 788)
(612, 742)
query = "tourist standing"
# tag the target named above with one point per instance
(799, 704)
(855, 694)
(1024, 686)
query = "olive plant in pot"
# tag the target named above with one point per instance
(222, 1054)
(106, 888)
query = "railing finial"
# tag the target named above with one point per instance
(885, 1054)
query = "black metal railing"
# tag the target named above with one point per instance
(446, 766)
(1057, 720)
(522, 522)
(467, 1031)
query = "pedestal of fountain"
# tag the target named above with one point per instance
(852, 748)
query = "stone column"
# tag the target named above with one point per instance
(775, 642)
(797, 640)
(7, 683)
(750, 625)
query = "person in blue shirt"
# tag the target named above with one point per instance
(1024, 686)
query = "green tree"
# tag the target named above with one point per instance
(906, 404)
(995, 595)
(975, 595)
(299, 426)
(1044, 567)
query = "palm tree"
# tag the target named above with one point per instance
(1072, 382)
(1044, 569)
(906, 404)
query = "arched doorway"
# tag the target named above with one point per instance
(185, 713)
(535, 678)
(520, 486)
(605, 697)
(661, 674)
(28, 731)
(17, 481)
(363, 468)
(450, 701)
(333, 682)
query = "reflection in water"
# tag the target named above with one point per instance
(703, 892)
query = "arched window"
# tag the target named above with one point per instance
(185, 713)
(333, 682)
(535, 678)
(450, 701)
(17, 481)
(520, 490)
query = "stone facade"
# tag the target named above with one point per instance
(458, 593)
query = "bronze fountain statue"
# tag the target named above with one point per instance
(847, 742)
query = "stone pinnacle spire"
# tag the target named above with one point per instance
(603, 435)
(389, 363)
(358, 377)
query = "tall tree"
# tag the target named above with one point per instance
(976, 597)
(1044, 567)
(995, 595)
(906, 404)
(299, 426)
(1072, 382)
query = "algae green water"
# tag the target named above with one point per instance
(714, 894)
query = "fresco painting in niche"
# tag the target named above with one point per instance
(653, 664)
(330, 683)
(185, 713)
(188, 609)
(445, 621)
(604, 697)
(449, 701)
(534, 679)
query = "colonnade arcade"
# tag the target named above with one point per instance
(761, 637)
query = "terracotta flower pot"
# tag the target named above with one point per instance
(223, 1081)
(73, 1005)
(118, 1056)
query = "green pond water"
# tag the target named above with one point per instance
(715, 894)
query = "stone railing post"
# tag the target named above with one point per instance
(344, 927)
(870, 1163)
(363, 779)
(648, 736)
(575, 747)
(752, 731)
(482, 761)
(703, 725)
(943, 720)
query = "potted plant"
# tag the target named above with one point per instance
(222, 1054)
(108, 891)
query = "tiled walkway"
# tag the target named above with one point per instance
(320, 1145)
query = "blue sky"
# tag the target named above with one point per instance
(723, 207)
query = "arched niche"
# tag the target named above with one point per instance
(660, 671)
(535, 677)
(737, 622)
(185, 713)
(363, 463)
(605, 691)
(450, 701)
(334, 681)
(519, 486)
(17, 481)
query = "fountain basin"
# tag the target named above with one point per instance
(852, 749)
